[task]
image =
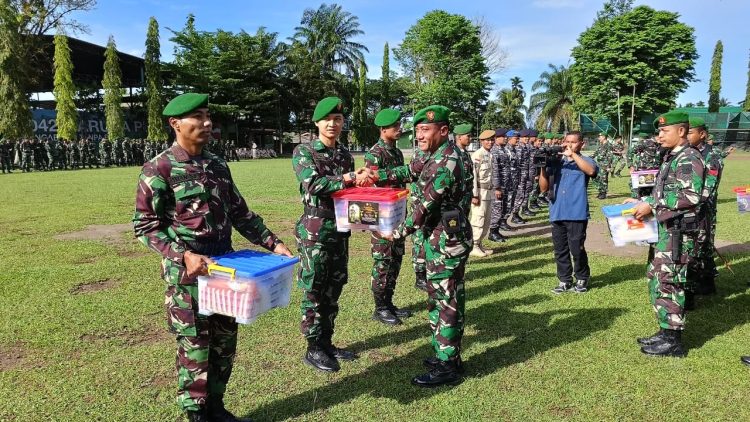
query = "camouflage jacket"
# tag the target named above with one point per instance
(320, 172)
(523, 151)
(183, 199)
(618, 150)
(441, 187)
(604, 155)
(384, 156)
(679, 185)
(514, 165)
(714, 169)
(468, 179)
(646, 155)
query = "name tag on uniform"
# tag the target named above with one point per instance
(181, 178)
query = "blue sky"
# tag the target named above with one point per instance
(533, 32)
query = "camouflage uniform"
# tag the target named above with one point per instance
(676, 197)
(184, 204)
(441, 189)
(645, 157)
(619, 160)
(105, 152)
(514, 179)
(522, 186)
(93, 153)
(27, 154)
(119, 155)
(75, 155)
(603, 157)
(500, 157)
(702, 272)
(387, 255)
(6, 150)
(468, 181)
(324, 252)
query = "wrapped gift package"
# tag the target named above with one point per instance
(643, 178)
(624, 228)
(246, 284)
(375, 209)
(743, 199)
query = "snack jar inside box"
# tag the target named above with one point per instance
(743, 199)
(643, 178)
(624, 228)
(246, 284)
(375, 209)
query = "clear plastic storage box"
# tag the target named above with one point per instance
(643, 178)
(624, 228)
(743, 199)
(246, 284)
(376, 209)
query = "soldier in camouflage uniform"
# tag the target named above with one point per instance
(501, 187)
(603, 157)
(6, 151)
(75, 155)
(528, 138)
(619, 159)
(387, 255)
(676, 204)
(186, 205)
(702, 274)
(518, 170)
(523, 155)
(437, 211)
(27, 155)
(535, 191)
(645, 157)
(105, 152)
(462, 134)
(323, 167)
(482, 194)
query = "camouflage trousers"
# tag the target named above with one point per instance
(602, 180)
(418, 252)
(387, 257)
(498, 211)
(509, 198)
(701, 272)
(447, 300)
(323, 272)
(204, 362)
(667, 280)
(6, 164)
(618, 165)
(534, 196)
(521, 194)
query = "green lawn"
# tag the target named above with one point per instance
(102, 352)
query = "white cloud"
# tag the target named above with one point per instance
(557, 4)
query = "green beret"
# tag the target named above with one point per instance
(549, 135)
(387, 117)
(463, 129)
(697, 122)
(185, 103)
(327, 106)
(432, 114)
(541, 136)
(602, 133)
(486, 134)
(672, 118)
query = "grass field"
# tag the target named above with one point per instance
(83, 336)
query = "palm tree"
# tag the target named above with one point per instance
(515, 85)
(511, 108)
(554, 103)
(326, 33)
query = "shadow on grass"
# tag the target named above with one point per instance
(631, 272)
(528, 334)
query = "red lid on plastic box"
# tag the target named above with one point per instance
(742, 189)
(371, 194)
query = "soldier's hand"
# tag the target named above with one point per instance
(630, 201)
(475, 201)
(281, 249)
(196, 264)
(642, 211)
(498, 194)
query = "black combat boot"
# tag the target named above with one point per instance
(444, 373)
(527, 212)
(432, 362)
(602, 195)
(384, 314)
(317, 357)
(504, 226)
(534, 206)
(335, 352)
(217, 413)
(421, 282)
(648, 341)
(399, 312)
(197, 415)
(516, 219)
(495, 235)
(670, 346)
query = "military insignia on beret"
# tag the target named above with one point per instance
(662, 120)
(430, 116)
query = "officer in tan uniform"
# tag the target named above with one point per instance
(482, 194)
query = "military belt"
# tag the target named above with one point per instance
(209, 247)
(319, 212)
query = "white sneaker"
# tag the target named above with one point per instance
(475, 251)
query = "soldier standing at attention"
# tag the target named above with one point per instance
(186, 205)
(675, 202)
(500, 161)
(437, 212)
(323, 167)
(6, 162)
(515, 198)
(702, 275)
(619, 159)
(387, 255)
(482, 194)
(603, 158)
(462, 138)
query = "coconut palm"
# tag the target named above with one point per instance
(326, 33)
(510, 108)
(554, 103)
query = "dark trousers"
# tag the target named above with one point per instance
(569, 237)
